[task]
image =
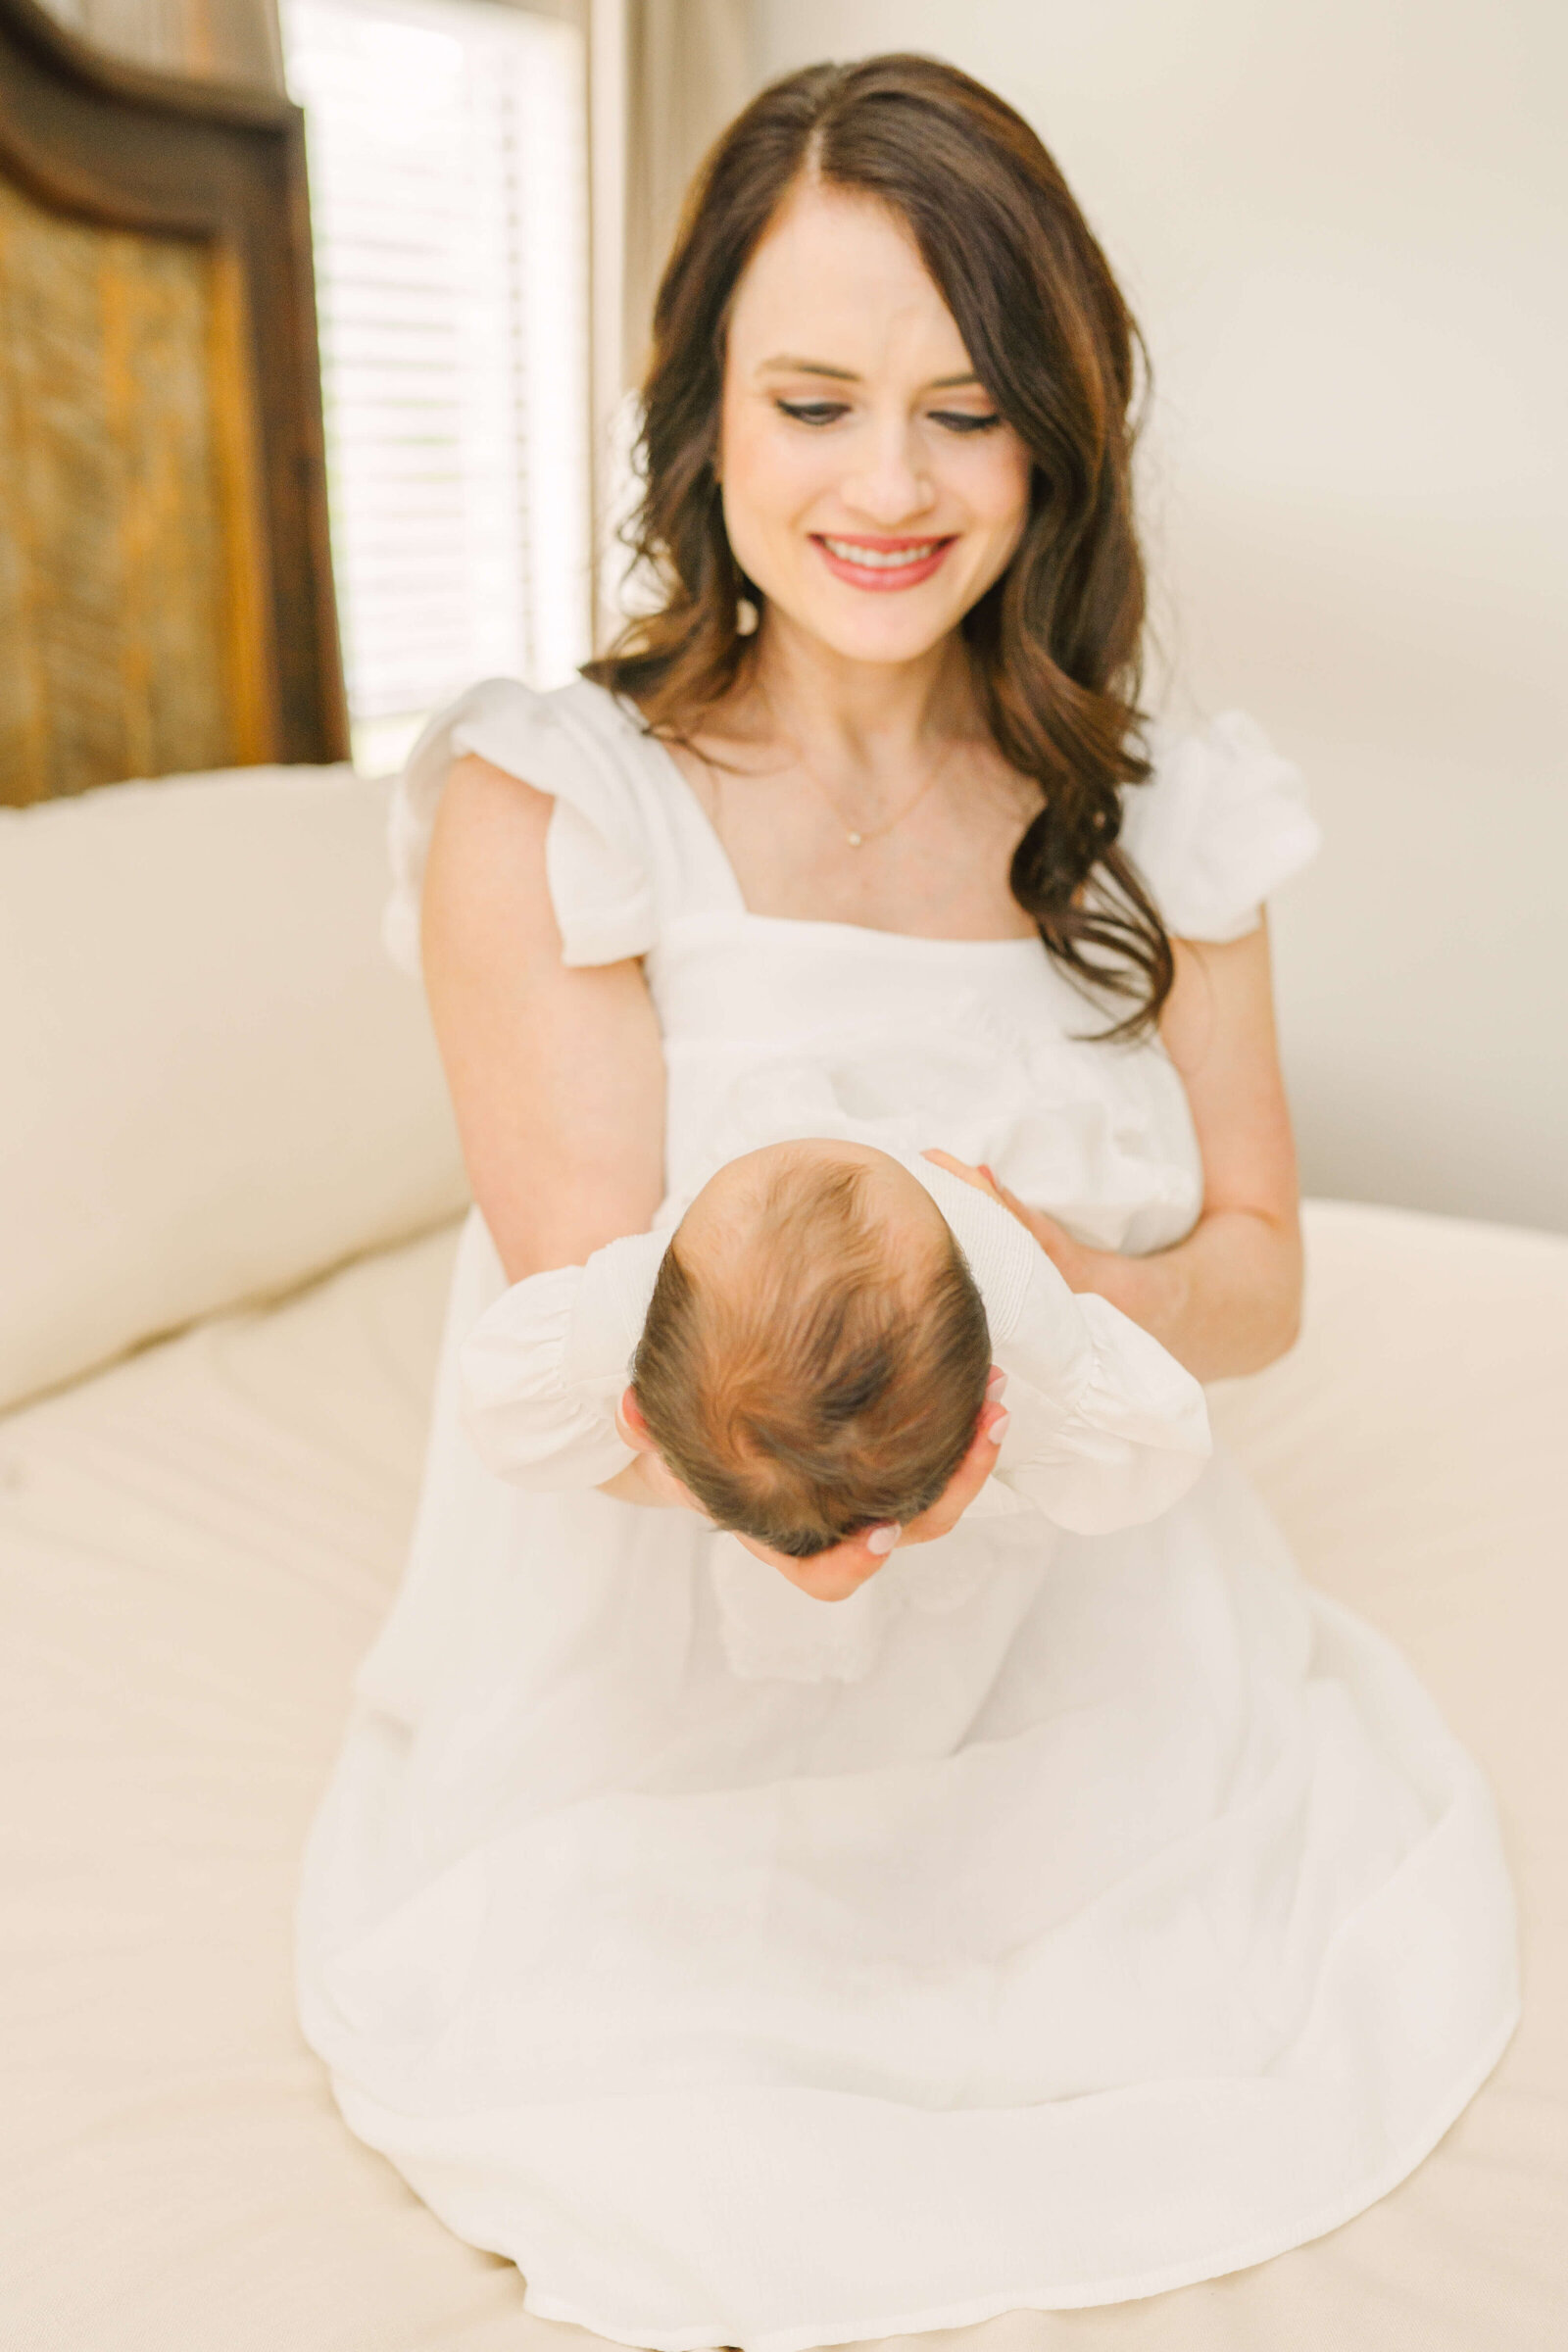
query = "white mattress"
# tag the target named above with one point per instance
(196, 1548)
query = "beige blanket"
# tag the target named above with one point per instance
(195, 1550)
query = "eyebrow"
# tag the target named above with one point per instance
(847, 375)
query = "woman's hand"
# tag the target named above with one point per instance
(828, 1575)
(1227, 1299)
(1078, 1267)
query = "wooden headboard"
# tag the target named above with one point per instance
(166, 582)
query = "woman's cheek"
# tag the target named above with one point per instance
(991, 477)
(769, 485)
(1003, 499)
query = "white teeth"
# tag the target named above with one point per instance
(880, 559)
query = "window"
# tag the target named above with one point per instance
(447, 149)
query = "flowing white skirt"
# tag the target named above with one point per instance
(1109, 1913)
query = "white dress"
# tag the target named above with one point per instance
(1087, 1908)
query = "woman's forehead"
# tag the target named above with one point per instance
(838, 283)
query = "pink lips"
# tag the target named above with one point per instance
(879, 578)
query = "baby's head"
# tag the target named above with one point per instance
(816, 1355)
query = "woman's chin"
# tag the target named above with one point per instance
(886, 630)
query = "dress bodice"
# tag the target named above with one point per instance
(775, 1027)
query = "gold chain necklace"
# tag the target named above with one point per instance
(857, 839)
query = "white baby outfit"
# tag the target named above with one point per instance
(1105, 1429)
(1086, 1907)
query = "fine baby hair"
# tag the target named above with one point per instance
(817, 1371)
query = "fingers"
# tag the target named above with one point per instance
(986, 1444)
(1045, 1230)
(1011, 1199)
(972, 1472)
(833, 1575)
(981, 1178)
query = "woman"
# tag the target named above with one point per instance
(1061, 1917)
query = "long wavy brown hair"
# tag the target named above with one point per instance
(1055, 642)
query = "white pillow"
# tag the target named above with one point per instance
(213, 1084)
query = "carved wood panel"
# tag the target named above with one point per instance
(127, 640)
(165, 591)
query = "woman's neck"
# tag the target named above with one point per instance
(844, 717)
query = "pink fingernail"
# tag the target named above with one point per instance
(996, 1384)
(881, 1540)
(999, 1427)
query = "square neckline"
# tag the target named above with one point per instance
(741, 912)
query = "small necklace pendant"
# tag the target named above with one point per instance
(854, 839)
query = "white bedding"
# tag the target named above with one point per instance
(197, 1547)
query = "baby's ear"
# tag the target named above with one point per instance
(630, 1423)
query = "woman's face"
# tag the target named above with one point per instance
(870, 490)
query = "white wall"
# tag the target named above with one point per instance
(1341, 229)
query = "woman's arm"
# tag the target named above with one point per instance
(557, 1075)
(1228, 1298)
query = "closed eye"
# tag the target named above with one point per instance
(828, 411)
(813, 411)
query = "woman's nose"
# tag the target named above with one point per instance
(889, 485)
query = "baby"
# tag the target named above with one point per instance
(816, 1355)
(810, 1354)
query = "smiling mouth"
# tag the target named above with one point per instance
(884, 562)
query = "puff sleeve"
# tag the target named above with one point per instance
(596, 850)
(1220, 825)
(542, 1370)
(1107, 1430)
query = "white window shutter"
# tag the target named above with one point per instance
(448, 190)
